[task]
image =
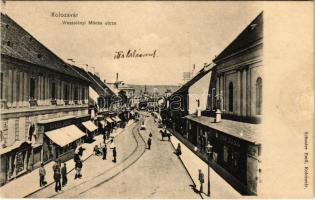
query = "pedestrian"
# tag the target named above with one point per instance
(55, 166)
(178, 150)
(149, 143)
(114, 154)
(42, 173)
(202, 180)
(150, 135)
(104, 137)
(112, 144)
(104, 151)
(64, 175)
(57, 177)
(78, 168)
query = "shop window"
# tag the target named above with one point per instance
(258, 96)
(32, 88)
(235, 160)
(225, 154)
(231, 97)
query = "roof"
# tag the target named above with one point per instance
(245, 131)
(196, 78)
(95, 82)
(17, 43)
(251, 34)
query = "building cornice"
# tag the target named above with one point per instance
(255, 44)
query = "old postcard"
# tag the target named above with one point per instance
(156, 99)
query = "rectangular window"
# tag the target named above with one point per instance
(66, 92)
(1, 85)
(32, 88)
(213, 98)
(53, 91)
(83, 94)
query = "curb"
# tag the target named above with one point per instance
(49, 184)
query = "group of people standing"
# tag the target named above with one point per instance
(60, 175)
(60, 171)
(103, 151)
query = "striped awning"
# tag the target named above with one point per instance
(109, 120)
(90, 126)
(65, 135)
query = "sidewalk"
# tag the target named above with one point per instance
(29, 183)
(219, 187)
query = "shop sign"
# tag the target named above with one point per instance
(229, 140)
(56, 125)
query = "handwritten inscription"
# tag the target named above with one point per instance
(134, 54)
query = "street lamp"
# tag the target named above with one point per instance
(209, 153)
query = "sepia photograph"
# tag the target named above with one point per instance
(156, 99)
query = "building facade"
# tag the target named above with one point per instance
(39, 93)
(239, 78)
(231, 120)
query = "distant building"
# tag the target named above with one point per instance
(128, 90)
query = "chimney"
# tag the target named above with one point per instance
(104, 81)
(87, 67)
(116, 77)
(218, 116)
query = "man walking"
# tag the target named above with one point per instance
(104, 151)
(57, 177)
(114, 154)
(64, 175)
(149, 141)
(202, 180)
(42, 173)
(78, 167)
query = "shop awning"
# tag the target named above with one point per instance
(116, 119)
(104, 123)
(65, 135)
(109, 120)
(89, 125)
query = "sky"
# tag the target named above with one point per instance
(182, 33)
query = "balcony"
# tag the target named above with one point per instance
(33, 102)
(53, 102)
(3, 104)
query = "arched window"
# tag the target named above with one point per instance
(258, 95)
(231, 97)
